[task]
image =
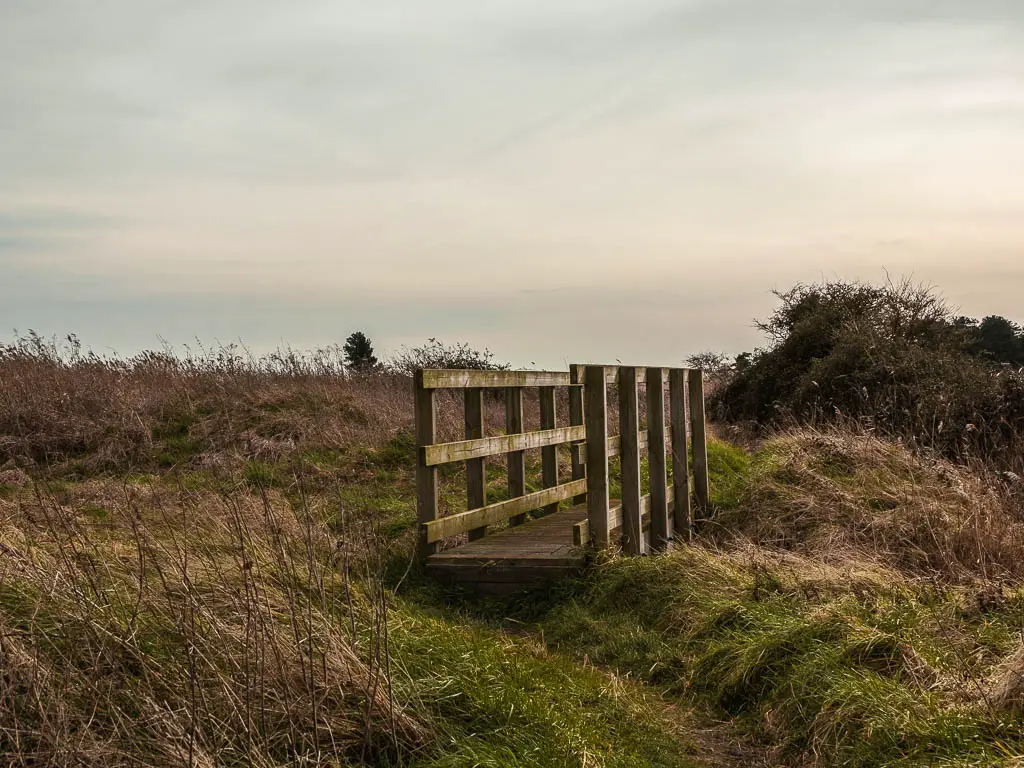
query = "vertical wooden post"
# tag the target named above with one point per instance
(516, 459)
(595, 396)
(700, 442)
(629, 427)
(661, 532)
(578, 454)
(476, 469)
(548, 454)
(682, 514)
(426, 477)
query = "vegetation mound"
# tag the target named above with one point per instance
(891, 358)
(208, 562)
(835, 496)
(849, 605)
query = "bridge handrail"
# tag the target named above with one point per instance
(666, 510)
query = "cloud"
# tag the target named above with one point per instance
(395, 159)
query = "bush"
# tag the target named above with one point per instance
(717, 367)
(437, 354)
(892, 358)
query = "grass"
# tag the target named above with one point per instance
(877, 671)
(212, 565)
(212, 623)
(505, 700)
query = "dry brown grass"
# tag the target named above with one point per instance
(158, 626)
(838, 497)
(1007, 685)
(181, 579)
(155, 411)
(113, 412)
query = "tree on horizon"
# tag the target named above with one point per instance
(359, 352)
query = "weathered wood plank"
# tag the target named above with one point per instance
(549, 454)
(578, 451)
(455, 379)
(444, 527)
(658, 471)
(476, 469)
(426, 476)
(698, 427)
(464, 450)
(516, 458)
(612, 374)
(596, 413)
(545, 538)
(682, 513)
(629, 425)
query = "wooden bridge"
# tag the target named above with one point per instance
(536, 536)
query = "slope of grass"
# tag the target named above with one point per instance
(211, 566)
(503, 700)
(856, 669)
(826, 652)
(243, 614)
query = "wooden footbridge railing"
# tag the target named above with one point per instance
(526, 551)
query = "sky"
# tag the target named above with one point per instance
(557, 181)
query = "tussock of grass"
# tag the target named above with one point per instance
(828, 670)
(188, 628)
(840, 496)
(850, 604)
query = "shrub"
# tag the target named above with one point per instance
(717, 367)
(892, 358)
(437, 354)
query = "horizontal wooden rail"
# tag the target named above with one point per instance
(436, 530)
(447, 379)
(611, 375)
(452, 379)
(581, 531)
(464, 450)
(446, 453)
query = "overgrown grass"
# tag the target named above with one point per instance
(825, 651)
(210, 563)
(245, 627)
(840, 496)
(859, 671)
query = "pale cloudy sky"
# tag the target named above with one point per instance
(560, 181)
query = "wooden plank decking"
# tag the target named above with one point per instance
(513, 559)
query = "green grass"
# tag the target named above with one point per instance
(851, 675)
(173, 442)
(502, 700)
(729, 469)
(835, 665)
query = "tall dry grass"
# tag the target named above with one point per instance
(59, 404)
(182, 579)
(164, 626)
(842, 496)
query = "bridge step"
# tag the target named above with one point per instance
(514, 559)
